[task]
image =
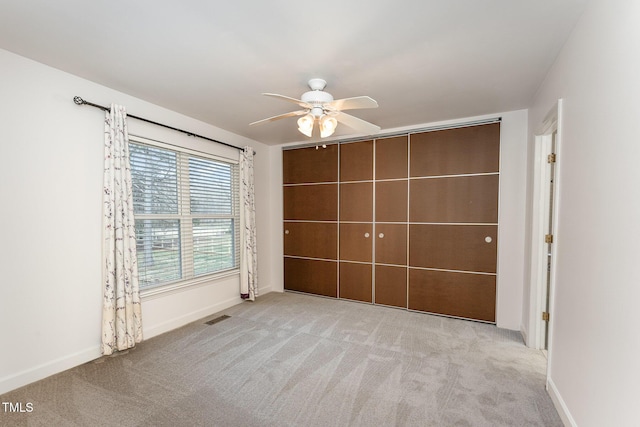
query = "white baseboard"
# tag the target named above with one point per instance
(45, 370)
(185, 319)
(523, 332)
(265, 290)
(561, 407)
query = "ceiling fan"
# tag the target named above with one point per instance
(320, 107)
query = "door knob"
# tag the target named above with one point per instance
(286, 231)
(366, 235)
(381, 235)
(488, 239)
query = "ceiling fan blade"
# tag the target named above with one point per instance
(354, 103)
(280, 116)
(357, 124)
(289, 99)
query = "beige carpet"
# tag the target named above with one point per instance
(297, 360)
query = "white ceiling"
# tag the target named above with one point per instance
(422, 60)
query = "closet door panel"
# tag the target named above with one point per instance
(391, 244)
(312, 276)
(356, 161)
(454, 199)
(391, 157)
(391, 201)
(355, 242)
(473, 149)
(356, 202)
(391, 286)
(311, 202)
(311, 239)
(307, 165)
(355, 281)
(466, 295)
(453, 247)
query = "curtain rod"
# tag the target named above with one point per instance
(79, 101)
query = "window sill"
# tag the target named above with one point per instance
(172, 288)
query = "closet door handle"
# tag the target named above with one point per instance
(381, 235)
(286, 231)
(366, 235)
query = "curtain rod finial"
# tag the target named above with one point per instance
(79, 100)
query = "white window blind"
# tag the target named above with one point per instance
(186, 211)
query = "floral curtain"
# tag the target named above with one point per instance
(248, 255)
(121, 313)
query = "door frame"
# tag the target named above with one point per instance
(539, 223)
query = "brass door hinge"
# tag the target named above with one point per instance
(548, 238)
(545, 316)
(551, 158)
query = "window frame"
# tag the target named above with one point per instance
(185, 218)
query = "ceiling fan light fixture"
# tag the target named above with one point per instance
(328, 125)
(305, 124)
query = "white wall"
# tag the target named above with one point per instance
(276, 251)
(594, 373)
(50, 190)
(513, 154)
(513, 150)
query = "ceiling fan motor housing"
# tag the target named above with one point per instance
(316, 97)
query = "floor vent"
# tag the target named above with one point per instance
(217, 319)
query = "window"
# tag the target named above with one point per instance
(186, 214)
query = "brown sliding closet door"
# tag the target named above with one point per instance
(453, 215)
(310, 192)
(391, 210)
(409, 221)
(356, 221)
